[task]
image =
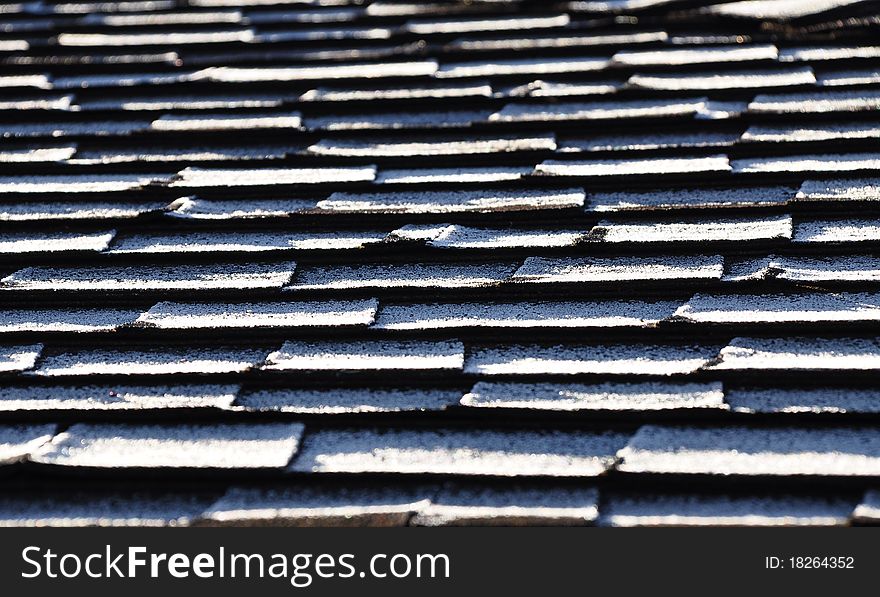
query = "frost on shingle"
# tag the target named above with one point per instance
(859, 189)
(617, 269)
(230, 276)
(165, 38)
(397, 120)
(347, 400)
(742, 450)
(30, 154)
(462, 175)
(64, 320)
(161, 155)
(647, 396)
(810, 133)
(812, 307)
(183, 316)
(694, 509)
(488, 23)
(541, 88)
(696, 231)
(837, 231)
(819, 53)
(115, 397)
(19, 358)
(408, 275)
(39, 81)
(474, 89)
(147, 103)
(174, 446)
(816, 102)
(101, 508)
(608, 110)
(848, 268)
(662, 199)
(233, 121)
(525, 315)
(114, 80)
(464, 237)
(803, 400)
(16, 243)
(440, 202)
(367, 356)
(150, 361)
(195, 178)
(108, 128)
(613, 359)
(17, 442)
(800, 354)
(522, 66)
(777, 10)
(723, 80)
(317, 505)
(226, 74)
(520, 505)
(645, 142)
(77, 183)
(845, 78)
(459, 452)
(868, 509)
(697, 55)
(850, 162)
(566, 39)
(243, 242)
(635, 167)
(233, 209)
(434, 145)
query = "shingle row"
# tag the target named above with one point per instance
(430, 504)
(689, 450)
(791, 355)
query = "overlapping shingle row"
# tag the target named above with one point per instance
(435, 263)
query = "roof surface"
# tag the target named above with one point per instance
(332, 262)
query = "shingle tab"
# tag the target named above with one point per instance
(634, 167)
(523, 66)
(800, 354)
(244, 242)
(227, 74)
(406, 275)
(562, 111)
(524, 315)
(435, 145)
(816, 102)
(175, 446)
(718, 80)
(694, 231)
(192, 316)
(17, 243)
(227, 122)
(694, 509)
(101, 508)
(212, 360)
(868, 509)
(459, 452)
(696, 55)
(860, 189)
(77, 399)
(741, 450)
(645, 396)
(18, 442)
(145, 278)
(463, 175)
(19, 358)
(547, 270)
(196, 178)
(607, 359)
(664, 199)
(77, 183)
(316, 505)
(465, 237)
(828, 400)
(811, 307)
(347, 400)
(837, 231)
(367, 356)
(64, 320)
(810, 133)
(849, 162)
(484, 200)
(520, 505)
(233, 209)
